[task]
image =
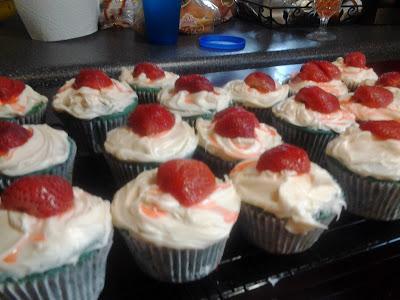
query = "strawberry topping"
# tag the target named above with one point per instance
(235, 122)
(92, 78)
(189, 181)
(193, 84)
(150, 119)
(10, 89)
(389, 79)
(41, 196)
(317, 99)
(318, 71)
(12, 135)
(373, 96)
(382, 129)
(284, 157)
(261, 82)
(355, 59)
(152, 71)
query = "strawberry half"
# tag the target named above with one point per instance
(40, 196)
(92, 78)
(12, 135)
(389, 79)
(382, 129)
(189, 181)
(355, 59)
(284, 157)
(261, 82)
(317, 99)
(373, 96)
(10, 89)
(152, 71)
(150, 119)
(227, 111)
(319, 71)
(193, 84)
(234, 123)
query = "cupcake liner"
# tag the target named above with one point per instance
(264, 115)
(192, 120)
(81, 281)
(351, 84)
(146, 95)
(174, 265)
(313, 141)
(366, 196)
(64, 169)
(268, 232)
(219, 166)
(35, 116)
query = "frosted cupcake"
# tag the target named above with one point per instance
(194, 96)
(323, 74)
(20, 103)
(287, 202)
(153, 135)
(34, 149)
(366, 162)
(92, 104)
(233, 135)
(258, 92)
(147, 80)
(354, 70)
(55, 244)
(391, 81)
(176, 219)
(310, 120)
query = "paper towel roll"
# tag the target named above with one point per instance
(56, 20)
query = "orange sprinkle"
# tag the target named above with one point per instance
(11, 258)
(38, 237)
(152, 211)
(18, 107)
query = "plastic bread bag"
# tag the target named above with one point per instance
(227, 9)
(198, 16)
(118, 13)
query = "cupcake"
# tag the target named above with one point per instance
(153, 135)
(176, 219)
(258, 92)
(233, 135)
(34, 149)
(55, 243)
(147, 80)
(92, 104)
(20, 103)
(194, 96)
(354, 71)
(310, 120)
(391, 81)
(366, 162)
(323, 74)
(287, 202)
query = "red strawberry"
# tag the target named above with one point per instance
(193, 84)
(382, 129)
(373, 96)
(236, 123)
(317, 99)
(12, 135)
(319, 71)
(92, 78)
(229, 110)
(261, 82)
(329, 69)
(10, 89)
(389, 79)
(284, 157)
(150, 119)
(41, 196)
(355, 59)
(189, 181)
(152, 71)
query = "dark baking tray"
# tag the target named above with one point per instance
(354, 259)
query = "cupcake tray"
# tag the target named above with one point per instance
(353, 259)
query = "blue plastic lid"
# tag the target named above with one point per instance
(222, 42)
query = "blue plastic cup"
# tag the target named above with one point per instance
(162, 20)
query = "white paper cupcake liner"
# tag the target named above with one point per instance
(174, 265)
(146, 95)
(35, 116)
(219, 166)
(366, 196)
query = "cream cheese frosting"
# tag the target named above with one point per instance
(25, 102)
(157, 217)
(249, 96)
(335, 87)
(143, 81)
(364, 154)
(47, 147)
(354, 75)
(178, 142)
(298, 199)
(87, 103)
(296, 113)
(193, 104)
(31, 245)
(238, 148)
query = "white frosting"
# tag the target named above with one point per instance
(335, 87)
(238, 148)
(25, 102)
(296, 198)
(361, 152)
(87, 103)
(296, 113)
(47, 147)
(43, 244)
(187, 105)
(242, 93)
(142, 208)
(143, 81)
(355, 76)
(178, 142)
